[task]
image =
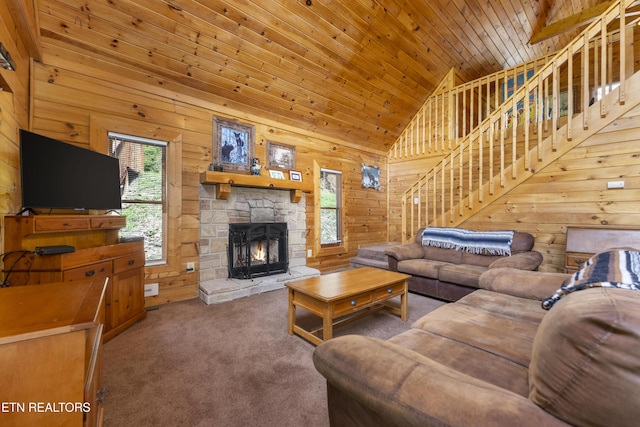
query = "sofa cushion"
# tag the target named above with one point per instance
(444, 255)
(522, 242)
(420, 267)
(461, 274)
(514, 307)
(535, 285)
(522, 261)
(586, 344)
(407, 389)
(467, 359)
(482, 260)
(509, 338)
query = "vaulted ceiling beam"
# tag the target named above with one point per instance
(26, 20)
(581, 19)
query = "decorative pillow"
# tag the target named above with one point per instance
(612, 269)
(585, 359)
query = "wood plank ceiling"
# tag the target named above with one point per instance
(355, 70)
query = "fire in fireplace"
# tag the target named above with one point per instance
(257, 249)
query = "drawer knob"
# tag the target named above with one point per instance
(89, 273)
(390, 290)
(131, 261)
(580, 261)
(354, 302)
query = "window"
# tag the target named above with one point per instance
(607, 89)
(143, 189)
(330, 208)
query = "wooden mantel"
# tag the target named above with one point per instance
(225, 180)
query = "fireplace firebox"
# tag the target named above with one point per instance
(257, 249)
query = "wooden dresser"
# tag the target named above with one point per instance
(51, 354)
(583, 243)
(98, 254)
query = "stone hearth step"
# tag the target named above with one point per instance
(222, 290)
(372, 256)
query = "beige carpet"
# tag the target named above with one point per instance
(231, 364)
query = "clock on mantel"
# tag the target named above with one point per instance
(225, 180)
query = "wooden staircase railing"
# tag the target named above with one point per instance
(433, 129)
(580, 90)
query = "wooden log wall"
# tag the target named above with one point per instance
(14, 101)
(401, 176)
(570, 192)
(68, 96)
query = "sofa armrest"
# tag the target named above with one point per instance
(521, 283)
(405, 388)
(395, 254)
(522, 261)
(407, 251)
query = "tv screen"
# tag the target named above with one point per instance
(57, 175)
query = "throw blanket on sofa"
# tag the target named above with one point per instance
(497, 242)
(614, 269)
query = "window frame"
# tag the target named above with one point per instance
(99, 126)
(164, 202)
(337, 209)
(339, 246)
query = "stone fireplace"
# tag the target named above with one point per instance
(247, 207)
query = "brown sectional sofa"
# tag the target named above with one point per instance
(450, 274)
(496, 358)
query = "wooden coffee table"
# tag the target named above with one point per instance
(348, 295)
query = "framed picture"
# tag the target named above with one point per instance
(370, 176)
(563, 103)
(295, 176)
(233, 142)
(281, 156)
(510, 86)
(276, 174)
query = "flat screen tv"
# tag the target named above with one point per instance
(57, 175)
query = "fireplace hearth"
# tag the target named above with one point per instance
(257, 249)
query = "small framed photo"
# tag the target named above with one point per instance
(233, 141)
(295, 176)
(276, 174)
(281, 156)
(370, 176)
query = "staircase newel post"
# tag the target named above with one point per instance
(585, 82)
(603, 67)
(569, 93)
(404, 218)
(623, 55)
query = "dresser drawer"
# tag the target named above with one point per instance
(108, 222)
(388, 292)
(99, 269)
(128, 262)
(349, 304)
(61, 224)
(575, 260)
